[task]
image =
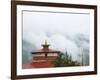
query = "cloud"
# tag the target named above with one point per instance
(59, 29)
(56, 41)
(68, 24)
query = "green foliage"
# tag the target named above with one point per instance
(65, 60)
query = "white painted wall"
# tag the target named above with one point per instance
(5, 53)
(48, 54)
(52, 54)
(39, 54)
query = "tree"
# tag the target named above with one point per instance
(65, 60)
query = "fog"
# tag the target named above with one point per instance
(63, 31)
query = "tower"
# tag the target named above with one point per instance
(44, 57)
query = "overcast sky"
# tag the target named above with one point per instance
(57, 28)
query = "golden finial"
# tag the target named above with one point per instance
(45, 42)
(45, 45)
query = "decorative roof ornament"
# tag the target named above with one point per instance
(45, 45)
(45, 42)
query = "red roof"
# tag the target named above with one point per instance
(46, 51)
(45, 64)
(45, 58)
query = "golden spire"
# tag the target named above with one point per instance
(45, 42)
(45, 45)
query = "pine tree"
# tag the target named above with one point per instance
(65, 60)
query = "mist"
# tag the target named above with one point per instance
(64, 32)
